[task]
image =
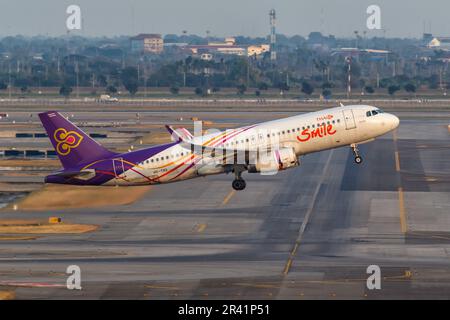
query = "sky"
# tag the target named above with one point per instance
(399, 18)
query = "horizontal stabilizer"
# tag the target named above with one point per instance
(82, 175)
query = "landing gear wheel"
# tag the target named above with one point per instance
(238, 184)
(358, 159)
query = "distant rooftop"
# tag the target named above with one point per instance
(143, 36)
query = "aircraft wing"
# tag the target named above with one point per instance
(186, 138)
(227, 154)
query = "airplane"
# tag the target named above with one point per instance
(266, 148)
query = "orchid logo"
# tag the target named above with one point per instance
(66, 141)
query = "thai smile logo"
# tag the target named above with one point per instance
(66, 141)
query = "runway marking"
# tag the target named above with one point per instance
(161, 287)
(228, 197)
(401, 199)
(397, 161)
(7, 295)
(401, 204)
(256, 285)
(429, 236)
(288, 265)
(31, 284)
(201, 227)
(307, 216)
(407, 275)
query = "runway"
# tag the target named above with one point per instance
(305, 233)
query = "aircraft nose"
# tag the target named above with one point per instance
(394, 122)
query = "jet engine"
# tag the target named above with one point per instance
(275, 160)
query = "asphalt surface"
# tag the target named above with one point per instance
(306, 233)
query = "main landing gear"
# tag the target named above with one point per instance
(355, 150)
(238, 183)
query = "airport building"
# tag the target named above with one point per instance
(372, 54)
(147, 43)
(228, 47)
(442, 43)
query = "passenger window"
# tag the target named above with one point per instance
(368, 114)
(374, 112)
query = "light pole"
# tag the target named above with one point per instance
(77, 76)
(9, 80)
(349, 76)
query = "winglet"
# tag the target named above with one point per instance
(169, 128)
(180, 134)
(173, 134)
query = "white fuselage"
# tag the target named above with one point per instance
(305, 133)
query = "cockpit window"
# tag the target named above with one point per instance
(374, 112)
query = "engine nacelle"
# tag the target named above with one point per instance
(275, 160)
(210, 169)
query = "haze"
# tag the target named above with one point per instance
(400, 18)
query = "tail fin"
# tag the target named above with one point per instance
(72, 145)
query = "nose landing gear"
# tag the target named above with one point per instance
(238, 183)
(358, 159)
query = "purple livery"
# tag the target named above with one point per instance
(85, 161)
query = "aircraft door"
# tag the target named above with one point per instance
(349, 119)
(118, 167)
(253, 141)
